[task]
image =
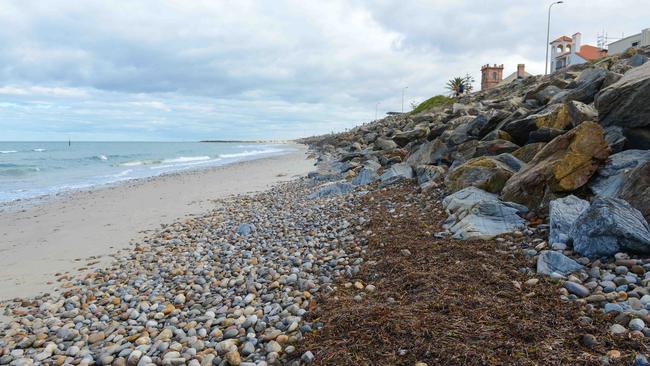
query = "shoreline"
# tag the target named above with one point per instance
(54, 236)
(22, 203)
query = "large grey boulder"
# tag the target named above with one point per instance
(626, 102)
(615, 138)
(427, 173)
(384, 144)
(332, 189)
(608, 226)
(584, 87)
(549, 262)
(610, 177)
(403, 138)
(563, 212)
(429, 153)
(396, 173)
(476, 214)
(365, 176)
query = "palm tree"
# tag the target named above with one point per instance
(460, 85)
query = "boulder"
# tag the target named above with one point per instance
(476, 214)
(553, 116)
(615, 138)
(549, 262)
(637, 60)
(428, 173)
(563, 212)
(609, 178)
(384, 144)
(403, 138)
(332, 189)
(563, 165)
(580, 112)
(483, 172)
(396, 173)
(497, 135)
(626, 175)
(544, 93)
(526, 153)
(494, 147)
(625, 103)
(637, 138)
(544, 134)
(584, 87)
(430, 153)
(636, 189)
(365, 176)
(609, 226)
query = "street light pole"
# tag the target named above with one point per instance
(403, 89)
(548, 33)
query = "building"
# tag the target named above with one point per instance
(491, 76)
(567, 51)
(520, 74)
(638, 40)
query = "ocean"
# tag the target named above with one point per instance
(37, 169)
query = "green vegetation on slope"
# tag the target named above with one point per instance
(436, 101)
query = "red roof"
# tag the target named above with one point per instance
(563, 38)
(590, 53)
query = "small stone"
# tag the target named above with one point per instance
(233, 358)
(614, 354)
(96, 337)
(273, 346)
(636, 324)
(179, 299)
(617, 329)
(588, 340)
(576, 289)
(307, 357)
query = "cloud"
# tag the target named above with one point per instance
(231, 69)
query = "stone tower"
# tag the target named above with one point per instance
(491, 75)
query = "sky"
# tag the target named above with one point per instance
(183, 70)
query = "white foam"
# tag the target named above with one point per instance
(102, 157)
(123, 173)
(250, 153)
(8, 151)
(186, 159)
(39, 150)
(132, 163)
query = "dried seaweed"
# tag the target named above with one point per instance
(454, 302)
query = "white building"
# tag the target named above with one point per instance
(638, 40)
(566, 51)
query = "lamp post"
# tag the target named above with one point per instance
(548, 33)
(403, 89)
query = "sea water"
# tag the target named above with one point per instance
(37, 169)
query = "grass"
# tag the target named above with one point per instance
(436, 101)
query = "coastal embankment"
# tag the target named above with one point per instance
(64, 234)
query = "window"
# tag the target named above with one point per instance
(494, 75)
(560, 48)
(634, 44)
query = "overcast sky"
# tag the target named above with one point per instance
(194, 69)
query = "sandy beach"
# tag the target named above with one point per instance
(65, 234)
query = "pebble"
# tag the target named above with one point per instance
(636, 324)
(617, 329)
(576, 289)
(196, 292)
